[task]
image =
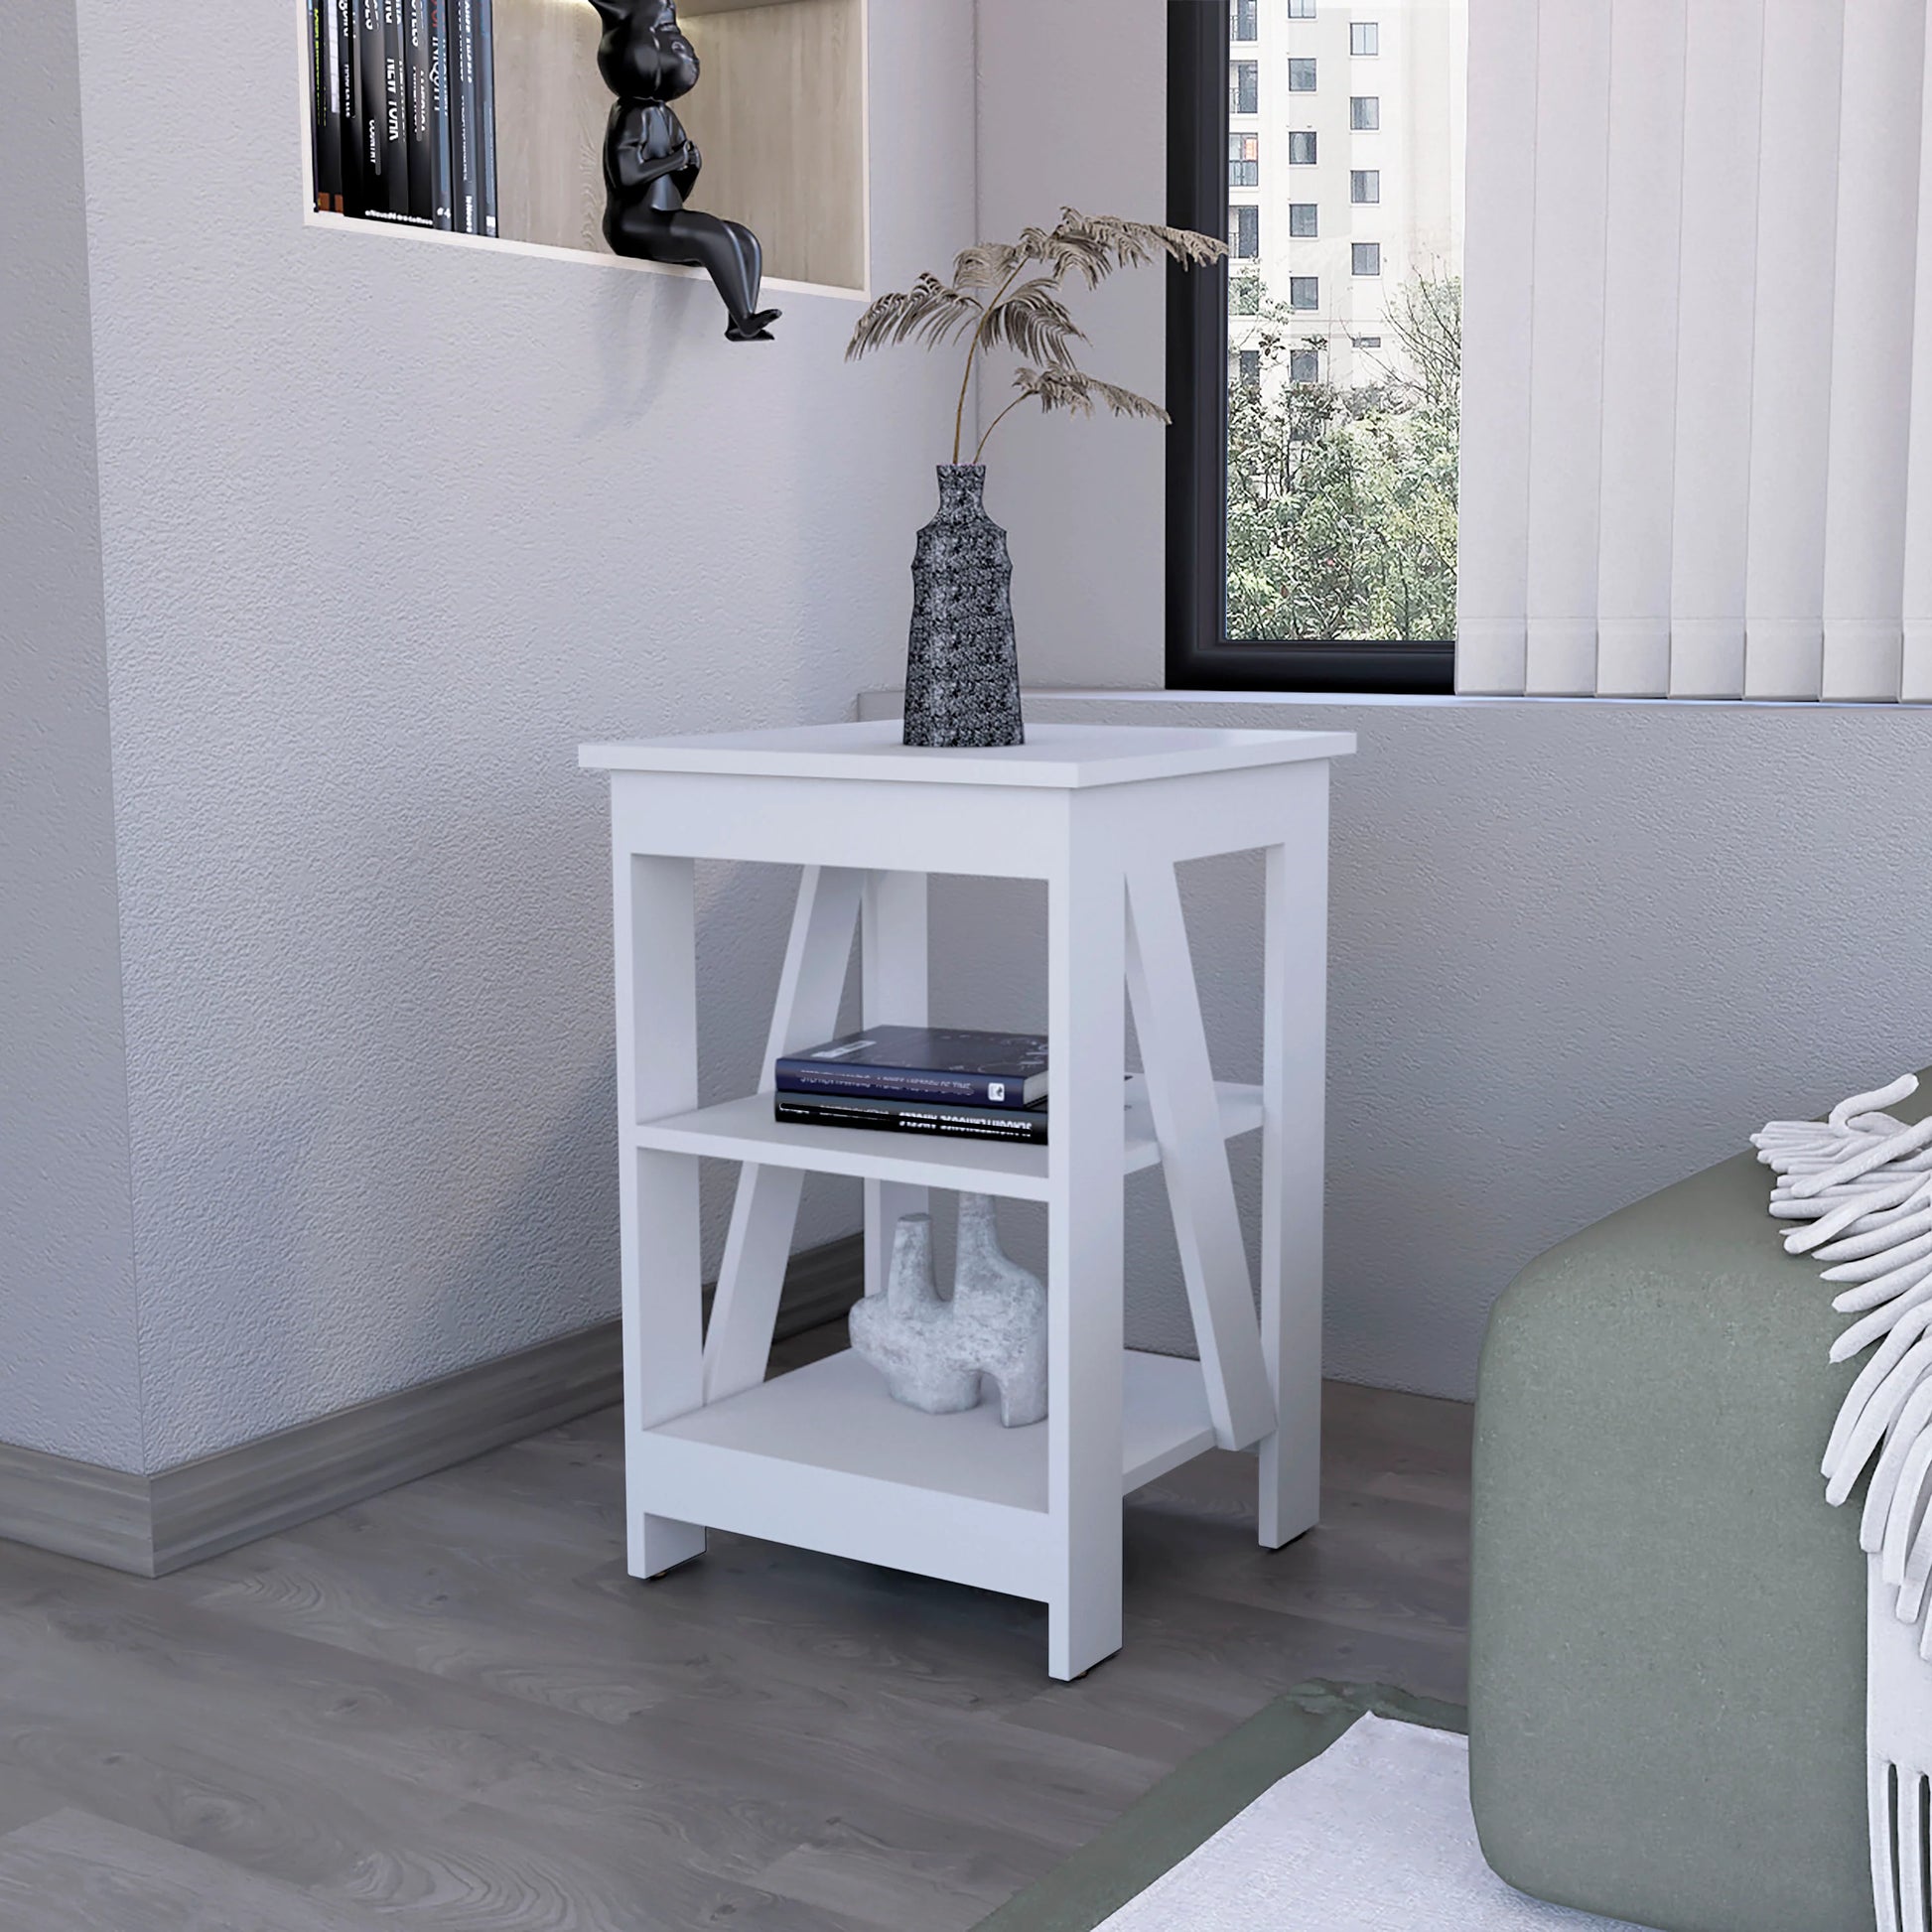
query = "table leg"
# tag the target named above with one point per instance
(1293, 1164)
(1087, 1022)
(657, 1073)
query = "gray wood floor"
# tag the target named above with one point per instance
(449, 1708)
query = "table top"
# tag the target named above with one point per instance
(1054, 756)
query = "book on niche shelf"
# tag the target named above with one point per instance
(402, 111)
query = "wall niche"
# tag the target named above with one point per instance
(780, 117)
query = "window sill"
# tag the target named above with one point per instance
(887, 703)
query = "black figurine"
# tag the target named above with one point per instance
(651, 165)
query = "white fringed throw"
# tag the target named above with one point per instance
(1860, 1187)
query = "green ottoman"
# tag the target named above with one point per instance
(1667, 1668)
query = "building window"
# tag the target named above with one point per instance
(1244, 293)
(1304, 290)
(1301, 9)
(1304, 220)
(1365, 113)
(1365, 36)
(1364, 186)
(1243, 231)
(1244, 86)
(1251, 369)
(1365, 341)
(1244, 160)
(1301, 149)
(1300, 76)
(1242, 23)
(1304, 365)
(1365, 258)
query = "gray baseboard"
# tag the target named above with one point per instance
(152, 1525)
(75, 1509)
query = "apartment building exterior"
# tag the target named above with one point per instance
(1345, 171)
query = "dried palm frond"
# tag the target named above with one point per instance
(1033, 322)
(1071, 390)
(988, 301)
(985, 265)
(929, 312)
(1132, 244)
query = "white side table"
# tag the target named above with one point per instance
(822, 1457)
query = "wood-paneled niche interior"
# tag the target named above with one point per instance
(780, 117)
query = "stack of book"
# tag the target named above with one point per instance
(405, 111)
(921, 1080)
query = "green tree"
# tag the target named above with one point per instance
(1342, 501)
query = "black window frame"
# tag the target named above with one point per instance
(1238, 71)
(1236, 251)
(1248, 12)
(1313, 231)
(1365, 187)
(1303, 75)
(1356, 259)
(1201, 656)
(1313, 157)
(1250, 164)
(1365, 113)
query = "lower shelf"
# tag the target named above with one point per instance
(836, 1414)
(823, 1459)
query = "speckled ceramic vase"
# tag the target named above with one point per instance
(962, 671)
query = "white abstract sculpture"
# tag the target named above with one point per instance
(932, 1351)
(1860, 1184)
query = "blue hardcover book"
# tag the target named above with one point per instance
(952, 1064)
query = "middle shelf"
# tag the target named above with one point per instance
(745, 1130)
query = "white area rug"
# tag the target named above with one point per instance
(1373, 1836)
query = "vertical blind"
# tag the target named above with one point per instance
(1697, 411)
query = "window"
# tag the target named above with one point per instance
(1364, 186)
(1300, 76)
(1244, 160)
(1312, 513)
(1244, 86)
(1365, 36)
(1250, 377)
(1301, 9)
(1243, 24)
(1365, 113)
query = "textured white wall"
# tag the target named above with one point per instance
(389, 527)
(69, 1375)
(1072, 110)
(1579, 949)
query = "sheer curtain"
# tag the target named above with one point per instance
(1697, 414)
